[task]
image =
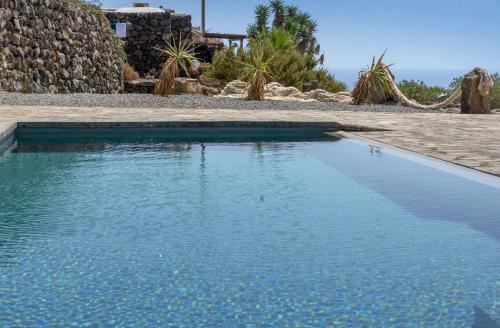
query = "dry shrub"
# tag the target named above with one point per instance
(256, 87)
(129, 73)
(373, 86)
(166, 83)
(180, 56)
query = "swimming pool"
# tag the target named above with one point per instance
(230, 229)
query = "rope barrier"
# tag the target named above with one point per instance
(484, 87)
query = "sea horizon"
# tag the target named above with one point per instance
(431, 77)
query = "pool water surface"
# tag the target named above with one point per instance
(257, 231)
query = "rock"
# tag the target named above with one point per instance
(236, 87)
(62, 58)
(140, 86)
(39, 64)
(210, 82)
(17, 25)
(65, 74)
(476, 94)
(16, 39)
(275, 91)
(311, 85)
(194, 87)
(78, 72)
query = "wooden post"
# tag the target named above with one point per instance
(203, 17)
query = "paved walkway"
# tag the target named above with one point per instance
(468, 140)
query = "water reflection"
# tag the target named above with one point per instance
(483, 319)
(424, 191)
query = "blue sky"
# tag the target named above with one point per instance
(419, 34)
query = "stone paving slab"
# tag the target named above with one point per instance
(467, 140)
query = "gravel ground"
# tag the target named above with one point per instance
(186, 101)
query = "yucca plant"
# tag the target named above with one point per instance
(257, 72)
(374, 84)
(179, 57)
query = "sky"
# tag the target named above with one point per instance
(454, 35)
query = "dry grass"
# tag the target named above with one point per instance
(166, 83)
(256, 87)
(129, 73)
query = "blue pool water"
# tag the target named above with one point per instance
(301, 230)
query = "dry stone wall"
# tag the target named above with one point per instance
(57, 46)
(148, 31)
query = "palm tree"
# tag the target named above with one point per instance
(307, 27)
(261, 17)
(301, 26)
(253, 31)
(292, 11)
(278, 7)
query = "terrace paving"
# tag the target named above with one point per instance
(468, 140)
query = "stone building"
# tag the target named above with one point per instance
(149, 28)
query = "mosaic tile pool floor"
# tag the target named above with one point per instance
(152, 232)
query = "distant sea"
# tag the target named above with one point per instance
(441, 78)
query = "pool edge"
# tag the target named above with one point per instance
(467, 172)
(7, 130)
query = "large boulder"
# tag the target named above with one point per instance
(476, 92)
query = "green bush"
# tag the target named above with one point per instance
(326, 80)
(286, 64)
(495, 95)
(420, 92)
(226, 65)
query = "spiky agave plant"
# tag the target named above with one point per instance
(374, 84)
(179, 57)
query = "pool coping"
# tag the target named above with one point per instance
(327, 126)
(463, 171)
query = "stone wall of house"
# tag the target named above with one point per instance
(146, 32)
(182, 26)
(53, 46)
